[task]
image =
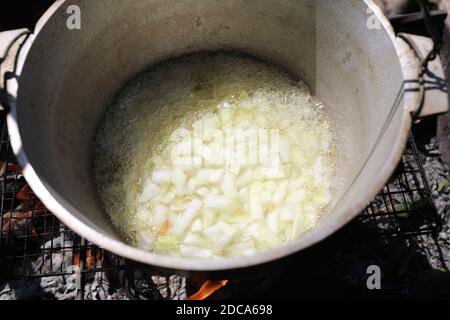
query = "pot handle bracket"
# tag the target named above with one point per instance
(431, 80)
(423, 32)
(10, 45)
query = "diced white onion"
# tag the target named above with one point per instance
(202, 191)
(179, 180)
(286, 214)
(280, 193)
(195, 240)
(160, 216)
(256, 210)
(224, 239)
(244, 178)
(240, 173)
(144, 240)
(162, 176)
(229, 186)
(186, 218)
(194, 252)
(295, 197)
(216, 202)
(150, 191)
(197, 225)
(272, 221)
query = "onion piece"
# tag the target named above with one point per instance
(187, 217)
(228, 186)
(243, 195)
(195, 252)
(209, 217)
(202, 191)
(286, 213)
(295, 197)
(167, 197)
(266, 239)
(244, 179)
(219, 203)
(150, 191)
(179, 180)
(272, 222)
(285, 151)
(234, 168)
(296, 184)
(213, 232)
(254, 200)
(245, 248)
(195, 240)
(160, 216)
(162, 176)
(270, 173)
(165, 243)
(192, 184)
(144, 240)
(228, 233)
(280, 193)
(197, 225)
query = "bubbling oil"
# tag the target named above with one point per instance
(227, 92)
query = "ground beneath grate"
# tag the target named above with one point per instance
(438, 173)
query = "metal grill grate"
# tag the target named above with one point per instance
(404, 207)
(34, 243)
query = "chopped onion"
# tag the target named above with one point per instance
(160, 216)
(150, 191)
(295, 197)
(228, 233)
(286, 214)
(167, 197)
(166, 243)
(186, 218)
(256, 209)
(202, 191)
(213, 232)
(179, 180)
(173, 193)
(229, 186)
(242, 248)
(219, 203)
(195, 252)
(197, 225)
(195, 240)
(272, 221)
(244, 178)
(280, 193)
(162, 176)
(145, 240)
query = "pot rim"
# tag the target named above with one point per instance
(329, 226)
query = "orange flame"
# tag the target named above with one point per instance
(93, 257)
(207, 289)
(11, 221)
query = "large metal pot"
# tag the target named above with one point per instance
(64, 78)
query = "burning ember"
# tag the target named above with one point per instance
(93, 257)
(18, 221)
(207, 289)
